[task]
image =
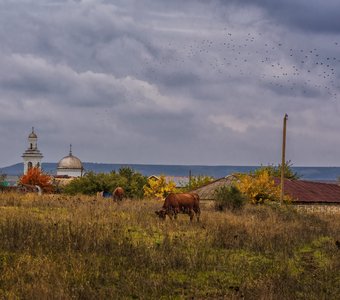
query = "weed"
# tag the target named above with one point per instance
(67, 247)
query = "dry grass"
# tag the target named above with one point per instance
(58, 247)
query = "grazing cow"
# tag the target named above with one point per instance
(118, 194)
(187, 203)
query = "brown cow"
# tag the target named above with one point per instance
(187, 203)
(118, 194)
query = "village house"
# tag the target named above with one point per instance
(311, 195)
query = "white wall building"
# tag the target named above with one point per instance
(70, 166)
(32, 156)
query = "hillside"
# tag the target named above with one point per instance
(171, 170)
(307, 173)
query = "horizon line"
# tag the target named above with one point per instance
(189, 165)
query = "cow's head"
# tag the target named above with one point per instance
(161, 213)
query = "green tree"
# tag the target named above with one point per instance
(196, 182)
(275, 171)
(132, 182)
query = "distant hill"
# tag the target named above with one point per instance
(307, 173)
(147, 170)
(15, 170)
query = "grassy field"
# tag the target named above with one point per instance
(58, 247)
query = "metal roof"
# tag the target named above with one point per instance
(207, 191)
(303, 191)
(70, 162)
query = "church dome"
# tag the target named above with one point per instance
(70, 162)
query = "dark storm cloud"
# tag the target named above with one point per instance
(188, 81)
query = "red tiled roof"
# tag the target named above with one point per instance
(310, 191)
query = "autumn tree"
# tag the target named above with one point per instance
(259, 187)
(158, 187)
(35, 176)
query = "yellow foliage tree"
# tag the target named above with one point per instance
(259, 187)
(158, 187)
(35, 176)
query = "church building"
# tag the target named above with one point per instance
(32, 156)
(70, 166)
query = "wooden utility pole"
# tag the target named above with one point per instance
(283, 157)
(190, 179)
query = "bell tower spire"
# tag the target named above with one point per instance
(32, 156)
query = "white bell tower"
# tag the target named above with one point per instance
(32, 156)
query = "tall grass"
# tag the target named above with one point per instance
(57, 247)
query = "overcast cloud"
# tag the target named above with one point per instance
(171, 82)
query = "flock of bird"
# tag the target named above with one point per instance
(286, 69)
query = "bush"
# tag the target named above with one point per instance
(260, 187)
(132, 182)
(158, 187)
(35, 176)
(229, 198)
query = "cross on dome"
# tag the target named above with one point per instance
(32, 135)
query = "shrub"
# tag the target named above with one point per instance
(229, 198)
(259, 187)
(132, 182)
(35, 176)
(158, 187)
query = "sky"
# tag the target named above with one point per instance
(171, 82)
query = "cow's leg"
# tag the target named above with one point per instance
(191, 214)
(170, 213)
(177, 210)
(198, 213)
